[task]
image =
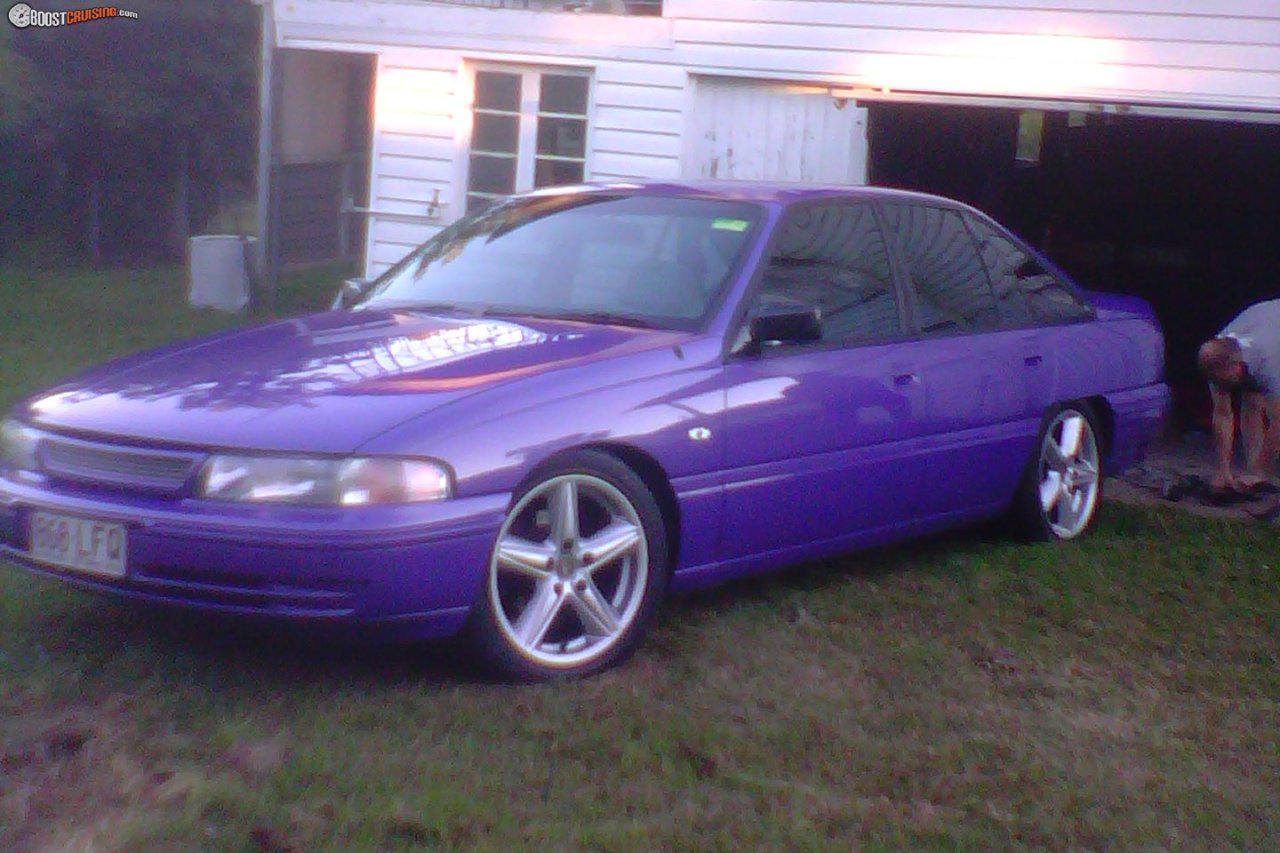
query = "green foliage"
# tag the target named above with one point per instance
(17, 92)
(178, 66)
(129, 131)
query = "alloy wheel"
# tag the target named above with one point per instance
(1069, 474)
(569, 573)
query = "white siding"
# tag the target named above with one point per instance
(422, 97)
(422, 125)
(1174, 53)
(637, 125)
(361, 25)
(749, 130)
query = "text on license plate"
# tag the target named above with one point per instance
(95, 547)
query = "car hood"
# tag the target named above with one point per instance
(326, 383)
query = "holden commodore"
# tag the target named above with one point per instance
(562, 407)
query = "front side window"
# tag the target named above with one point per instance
(833, 256)
(1025, 290)
(949, 286)
(649, 260)
(529, 129)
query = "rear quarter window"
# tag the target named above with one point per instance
(1025, 291)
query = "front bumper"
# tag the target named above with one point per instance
(410, 570)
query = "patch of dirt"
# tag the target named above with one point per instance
(67, 777)
(255, 759)
(52, 766)
(1176, 473)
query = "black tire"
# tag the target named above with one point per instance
(1031, 519)
(536, 624)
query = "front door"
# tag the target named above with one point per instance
(820, 435)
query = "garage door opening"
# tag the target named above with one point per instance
(1177, 211)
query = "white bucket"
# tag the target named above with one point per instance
(219, 271)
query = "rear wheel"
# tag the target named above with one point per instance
(1061, 489)
(576, 574)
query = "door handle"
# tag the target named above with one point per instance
(902, 380)
(1033, 360)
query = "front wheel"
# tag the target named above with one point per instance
(576, 573)
(1060, 492)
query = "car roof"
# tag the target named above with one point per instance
(778, 192)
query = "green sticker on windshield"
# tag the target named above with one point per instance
(725, 224)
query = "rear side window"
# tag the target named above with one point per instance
(834, 256)
(949, 285)
(1025, 290)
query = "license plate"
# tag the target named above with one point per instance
(80, 544)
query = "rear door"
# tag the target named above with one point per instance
(978, 415)
(1034, 300)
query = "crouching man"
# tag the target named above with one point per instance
(1242, 365)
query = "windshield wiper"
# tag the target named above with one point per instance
(608, 317)
(480, 309)
(466, 309)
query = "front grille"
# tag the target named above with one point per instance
(115, 466)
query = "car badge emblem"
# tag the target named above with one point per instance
(699, 433)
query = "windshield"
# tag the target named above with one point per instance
(648, 260)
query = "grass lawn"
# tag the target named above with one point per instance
(1122, 691)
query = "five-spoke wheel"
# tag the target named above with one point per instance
(576, 571)
(1060, 496)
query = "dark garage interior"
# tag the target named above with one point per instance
(1182, 212)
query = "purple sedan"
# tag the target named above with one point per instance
(565, 405)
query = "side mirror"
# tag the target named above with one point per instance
(350, 292)
(777, 320)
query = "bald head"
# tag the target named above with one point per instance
(1222, 361)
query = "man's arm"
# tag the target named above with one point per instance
(1271, 439)
(1254, 438)
(1224, 434)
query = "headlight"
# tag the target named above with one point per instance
(347, 482)
(18, 445)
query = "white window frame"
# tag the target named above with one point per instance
(526, 155)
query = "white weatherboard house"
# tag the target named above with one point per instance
(1147, 129)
